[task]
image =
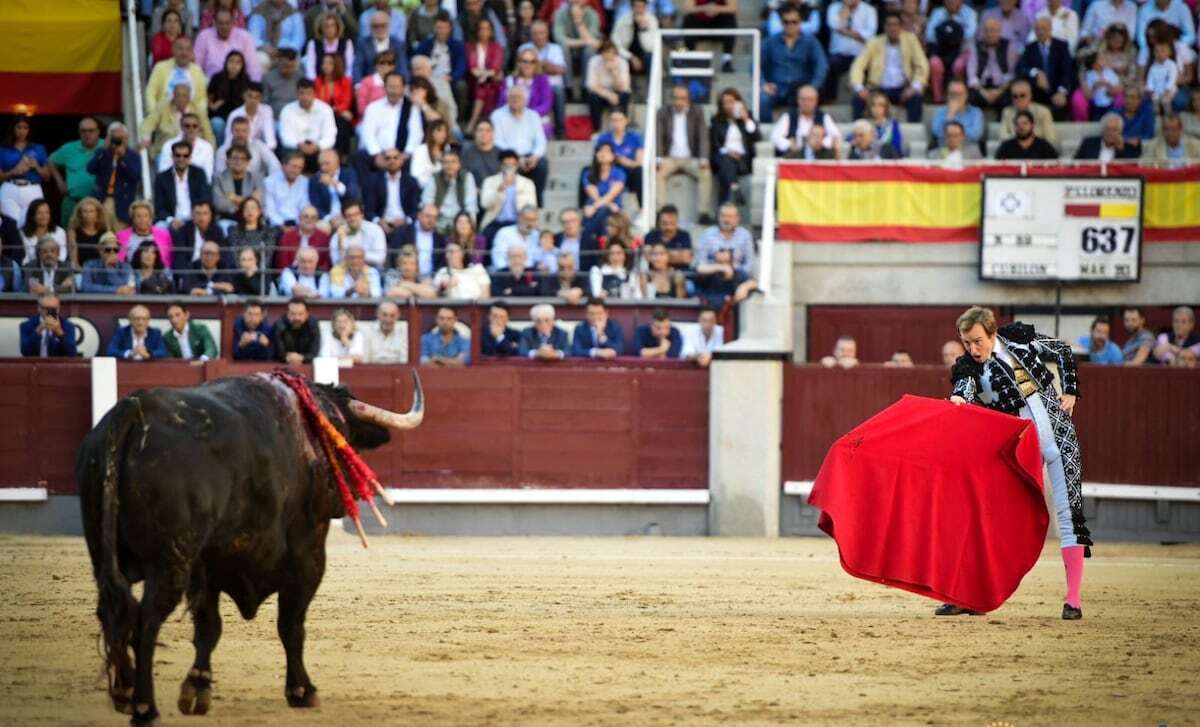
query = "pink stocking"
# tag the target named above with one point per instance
(1073, 560)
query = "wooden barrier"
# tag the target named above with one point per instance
(567, 424)
(881, 330)
(1136, 426)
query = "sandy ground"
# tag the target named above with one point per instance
(636, 631)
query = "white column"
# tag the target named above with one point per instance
(325, 371)
(745, 427)
(104, 386)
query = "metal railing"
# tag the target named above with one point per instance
(137, 85)
(654, 103)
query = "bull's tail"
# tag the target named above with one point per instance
(117, 609)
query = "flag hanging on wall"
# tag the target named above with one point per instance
(60, 57)
(910, 203)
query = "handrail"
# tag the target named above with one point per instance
(654, 102)
(136, 84)
(766, 265)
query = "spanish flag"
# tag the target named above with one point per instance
(909, 203)
(60, 56)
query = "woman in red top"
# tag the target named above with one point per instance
(333, 86)
(485, 62)
(164, 39)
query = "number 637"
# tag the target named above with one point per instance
(1106, 239)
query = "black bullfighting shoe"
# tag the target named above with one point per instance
(949, 609)
(1070, 613)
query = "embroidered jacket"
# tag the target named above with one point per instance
(1031, 350)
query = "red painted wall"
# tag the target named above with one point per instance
(1136, 426)
(524, 425)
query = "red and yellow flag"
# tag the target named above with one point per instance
(901, 203)
(60, 56)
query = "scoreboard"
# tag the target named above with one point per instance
(1078, 229)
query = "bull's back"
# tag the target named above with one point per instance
(206, 466)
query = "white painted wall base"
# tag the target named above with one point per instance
(23, 494)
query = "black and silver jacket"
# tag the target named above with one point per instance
(1031, 349)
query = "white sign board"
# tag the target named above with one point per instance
(1061, 228)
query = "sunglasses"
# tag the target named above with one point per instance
(107, 250)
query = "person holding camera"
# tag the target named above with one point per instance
(117, 171)
(44, 334)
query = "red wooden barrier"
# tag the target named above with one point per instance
(1136, 426)
(632, 425)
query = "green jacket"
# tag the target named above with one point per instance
(199, 338)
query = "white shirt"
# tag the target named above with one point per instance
(381, 348)
(197, 243)
(203, 156)
(864, 21)
(781, 142)
(439, 57)
(893, 66)
(31, 256)
(552, 53)
(694, 342)
(733, 138)
(297, 125)
(380, 122)
(332, 347)
(393, 210)
(185, 346)
(369, 237)
(183, 197)
(422, 167)
(466, 284)
(262, 126)
(510, 236)
(679, 137)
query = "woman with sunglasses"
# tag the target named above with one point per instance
(108, 274)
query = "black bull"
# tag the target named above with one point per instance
(206, 490)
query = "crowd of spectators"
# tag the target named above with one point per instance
(1026, 66)
(1176, 345)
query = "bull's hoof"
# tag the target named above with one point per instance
(302, 697)
(122, 700)
(144, 715)
(195, 695)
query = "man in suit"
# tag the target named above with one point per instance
(178, 188)
(516, 280)
(543, 341)
(235, 183)
(1048, 64)
(48, 274)
(47, 334)
(137, 341)
(118, 172)
(185, 341)
(894, 57)
(499, 339)
(188, 239)
(392, 196)
(424, 237)
(504, 195)
(205, 276)
(683, 148)
(601, 338)
(1172, 147)
(378, 40)
(1110, 144)
(331, 187)
(658, 338)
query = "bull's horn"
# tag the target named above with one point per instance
(392, 420)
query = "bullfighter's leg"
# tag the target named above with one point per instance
(293, 608)
(195, 695)
(161, 595)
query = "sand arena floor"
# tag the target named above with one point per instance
(647, 631)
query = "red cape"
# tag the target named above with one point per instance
(941, 500)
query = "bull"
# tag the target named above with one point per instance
(214, 489)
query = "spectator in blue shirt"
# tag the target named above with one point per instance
(276, 25)
(628, 148)
(604, 186)
(108, 275)
(1138, 115)
(252, 334)
(47, 333)
(658, 338)
(959, 109)
(1099, 347)
(443, 346)
(23, 166)
(789, 60)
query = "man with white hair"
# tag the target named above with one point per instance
(519, 130)
(516, 280)
(544, 341)
(1110, 144)
(304, 280)
(863, 145)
